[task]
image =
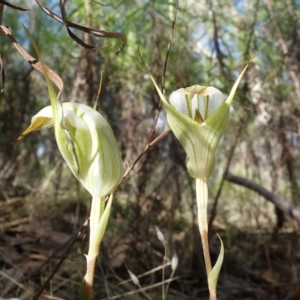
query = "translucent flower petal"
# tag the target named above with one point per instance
(204, 99)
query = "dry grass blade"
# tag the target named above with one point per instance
(13, 6)
(142, 289)
(89, 30)
(35, 63)
(147, 273)
(20, 285)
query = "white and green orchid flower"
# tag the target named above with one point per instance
(87, 144)
(198, 116)
(203, 116)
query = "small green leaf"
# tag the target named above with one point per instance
(99, 230)
(213, 275)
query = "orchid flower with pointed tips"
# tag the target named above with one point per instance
(87, 144)
(203, 115)
(198, 116)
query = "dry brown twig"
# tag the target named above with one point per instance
(89, 30)
(13, 6)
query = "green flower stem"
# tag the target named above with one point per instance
(202, 197)
(98, 222)
(97, 209)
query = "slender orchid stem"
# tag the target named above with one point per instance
(201, 191)
(97, 210)
(202, 197)
(98, 222)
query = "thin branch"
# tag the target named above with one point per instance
(13, 6)
(89, 30)
(230, 156)
(64, 256)
(164, 72)
(169, 47)
(149, 143)
(279, 202)
(284, 49)
(250, 35)
(148, 146)
(1, 13)
(220, 55)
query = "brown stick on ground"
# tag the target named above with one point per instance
(279, 202)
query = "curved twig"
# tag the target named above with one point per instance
(89, 30)
(279, 202)
(13, 6)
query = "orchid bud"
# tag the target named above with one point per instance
(198, 116)
(86, 142)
